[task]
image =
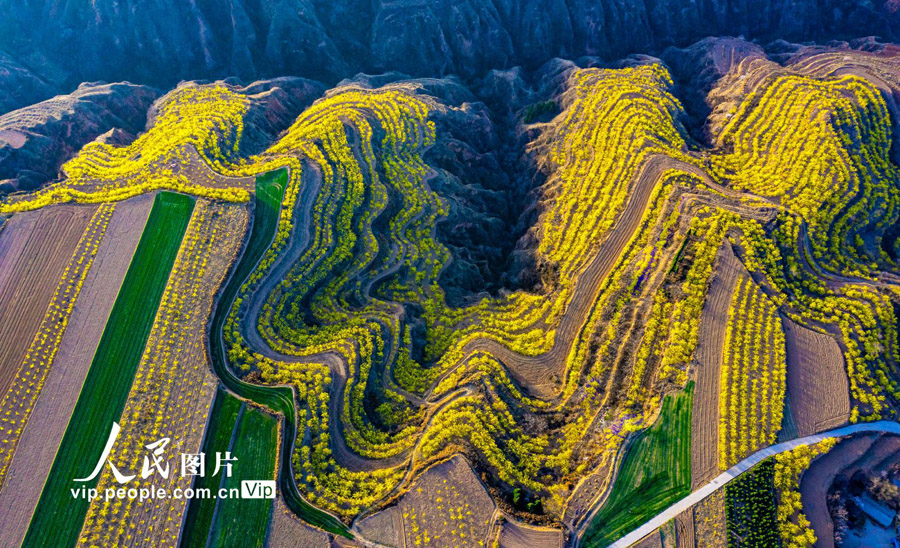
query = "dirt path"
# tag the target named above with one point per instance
(311, 183)
(711, 338)
(310, 186)
(41, 438)
(31, 276)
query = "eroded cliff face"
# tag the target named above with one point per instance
(37, 139)
(19, 86)
(159, 42)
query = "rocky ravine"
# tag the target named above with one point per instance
(159, 42)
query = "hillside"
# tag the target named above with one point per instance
(529, 290)
(161, 42)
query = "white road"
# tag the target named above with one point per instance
(672, 511)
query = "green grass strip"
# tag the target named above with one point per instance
(269, 193)
(59, 517)
(655, 473)
(243, 522)
(222, 420)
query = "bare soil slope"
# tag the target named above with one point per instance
(514, 534)
(287, 531)
(816, 380)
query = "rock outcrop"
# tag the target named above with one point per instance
(160, 42)
(37, 139)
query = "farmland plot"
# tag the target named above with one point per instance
(18, 401)
(380, 378)
(514, 534)
(223, 416)
(59, 517)
(44, 430)
(255, 435)
(705, 414)
(173, 386)
(753, 374)
(683, 529)
(45, 242)
(656, 472)
(446, 507)
(710, 526)
(287, 531)
(816, 380)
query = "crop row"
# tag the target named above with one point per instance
(863, 316)
(753, 375)
(341, 282)
(59, 517)
(171, 390)
(821, 147)
(750, 508)
(19, 399)
(617, 121)
(309, 314)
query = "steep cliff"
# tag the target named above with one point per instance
(159, 42)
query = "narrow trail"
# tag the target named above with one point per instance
(884, 427)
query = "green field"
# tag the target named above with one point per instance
(59, 517)
(222, 419)
(655, 473)
(269, 193)
(243, 522)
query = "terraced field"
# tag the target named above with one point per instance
(667, 280)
